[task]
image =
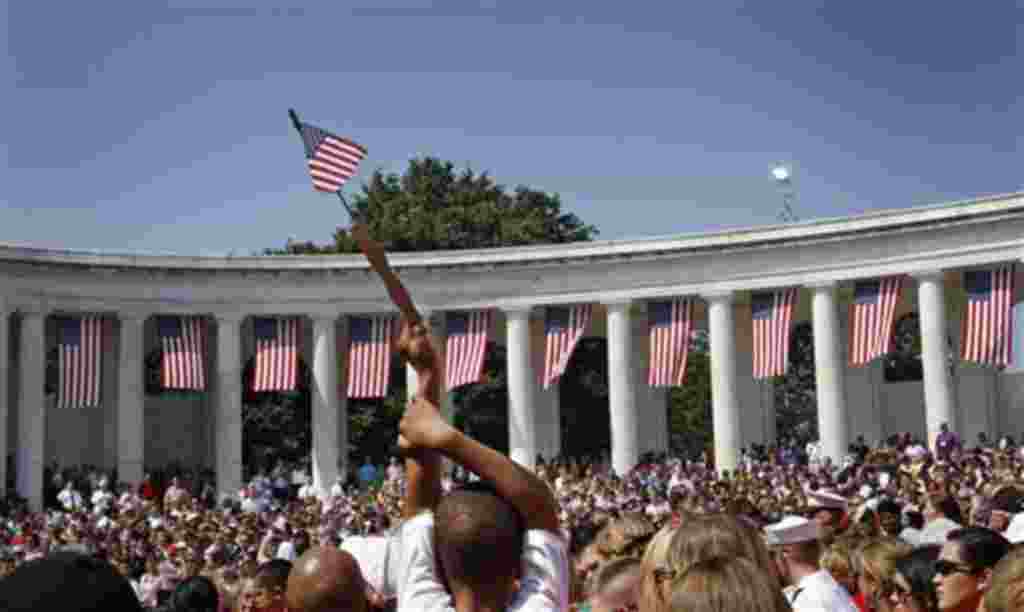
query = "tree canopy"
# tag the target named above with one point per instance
(433, 206)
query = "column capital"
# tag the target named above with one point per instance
(720, 297)
(320, 318)
(822, 285)
(620, 304)
(133, 315)
(34, 309)
(228, 318)
(935, 274)
(517, 311)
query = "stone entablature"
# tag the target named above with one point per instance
(913, 240)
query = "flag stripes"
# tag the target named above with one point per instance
(871, 317)
(771, 316)
(369, 364)
(79, 367)
(277, 348)
(332, 160)
(670, 324)
(183, 362)
(466, 346)
(563, 328)
(986, 333)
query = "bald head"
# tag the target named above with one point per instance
(324, 580)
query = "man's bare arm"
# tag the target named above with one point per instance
(422, 466)
(423, 427)
(378, 259)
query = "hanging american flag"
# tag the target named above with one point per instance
(670, 325)
(79, 349)
(465, 347)
(563, 328)
(986, 334)
(871, 316)
(332, 159)
(182, 340)
(277, 353)
(771, 315)
(369, 357)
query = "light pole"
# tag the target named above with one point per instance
(783, 175)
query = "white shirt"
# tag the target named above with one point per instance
(819, 592)
(545, 578)
(70, 499)
(935, 531)
(378, 558)
(286, 551)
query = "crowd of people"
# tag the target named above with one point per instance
(900, 527)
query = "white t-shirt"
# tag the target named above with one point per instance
(819, 591)
(378, 558)
(545, 577)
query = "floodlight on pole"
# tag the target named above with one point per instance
(783, 175)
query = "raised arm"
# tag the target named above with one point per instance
(423, 427)
(378, 259)
(422, 466)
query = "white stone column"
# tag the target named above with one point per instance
(829, 372)
(4, 392)
(725, 407)
(325, 404)
(131, 431)
(341, 331)
(938, 387)
(522, 413)
(32, 407)
(229, 404)
(622, 404)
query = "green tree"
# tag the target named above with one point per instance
(433, 206)
(796, 398)
(690, 405)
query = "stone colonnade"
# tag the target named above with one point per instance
(931, 244)
(637, 412)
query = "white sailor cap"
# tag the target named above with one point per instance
(826, 499)
(792, 530)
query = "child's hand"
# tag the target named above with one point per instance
(423, 427)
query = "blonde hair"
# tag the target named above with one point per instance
(625, 537)
(877, 557)
(655, 558)
(708, 537)
(837, 558)
(723, 584)
(1006, 583)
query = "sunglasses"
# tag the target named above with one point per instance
(945, 568)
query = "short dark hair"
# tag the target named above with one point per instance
(918, 568)
(950, 509)
(478, 536)
(197, 594)
(980, 547)
(888, 506)
(67, 582)
(273, 574)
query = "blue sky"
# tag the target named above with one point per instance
(162, 127)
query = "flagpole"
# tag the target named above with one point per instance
(344, 203)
